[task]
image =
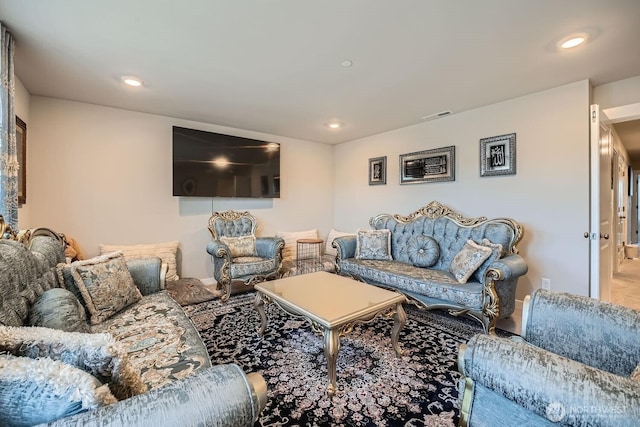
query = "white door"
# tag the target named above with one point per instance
(601, 206)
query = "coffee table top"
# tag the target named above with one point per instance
(327, 298)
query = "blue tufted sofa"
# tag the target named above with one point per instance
(158, 338)
(489, 293)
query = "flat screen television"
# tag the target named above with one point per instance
(207, 164)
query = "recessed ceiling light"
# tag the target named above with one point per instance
(346, 63)
(131, 81)
(573, 40)
(334, 125)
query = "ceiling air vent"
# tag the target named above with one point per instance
(437, 115)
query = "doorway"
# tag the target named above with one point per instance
(625, 281)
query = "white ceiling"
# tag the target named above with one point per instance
(275, 66)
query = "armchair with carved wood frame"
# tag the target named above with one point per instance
(233, 265)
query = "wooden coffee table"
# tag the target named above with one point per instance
(332, 304)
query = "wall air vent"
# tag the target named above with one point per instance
(437, 115)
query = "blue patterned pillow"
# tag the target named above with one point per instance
(496, 253)
(470, 257)
(58, 308)
(374, 244)
(423, 251)
(34, 391)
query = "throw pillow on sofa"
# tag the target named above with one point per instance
(166, 251)
(97, 354)
(423, 251)
(58, 308)
(35, 391)
(467, 261)
(373, 244)
(105, 284)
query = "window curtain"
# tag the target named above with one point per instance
(8, 150)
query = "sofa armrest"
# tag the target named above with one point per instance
(345, 246)
(547, 384)
(221, 395)
(600, 334)
(269, 247)
(509, 267)
(147, 274)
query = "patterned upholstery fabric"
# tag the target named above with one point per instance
(97, 354)
(248, 266)
(159, 339)
(58, 308)
(405, 277)
(216, 396)
(20, 289)
(105, 284)
(34, 391)
(635, 375)
(468, 260)
(423, 251)
(373, 244)
(449, 235)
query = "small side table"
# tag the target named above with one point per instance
(309, 255)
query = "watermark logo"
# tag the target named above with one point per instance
(555, 412)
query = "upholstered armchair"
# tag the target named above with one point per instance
(239, 257)
(576, 363)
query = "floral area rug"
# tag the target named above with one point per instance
(375, 388)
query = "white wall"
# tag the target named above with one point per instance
(615, 94)
(103, 175)
(549, 195)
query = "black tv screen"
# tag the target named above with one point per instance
(207, 164)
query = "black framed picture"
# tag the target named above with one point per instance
(378, 170)
(435, 165)
(498, 155)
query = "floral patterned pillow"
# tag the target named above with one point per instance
(374, 244)
(470, 257)
(240, 246)
(105, 284)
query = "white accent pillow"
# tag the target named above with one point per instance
(290, 251)
(166, 251)
(330, 250)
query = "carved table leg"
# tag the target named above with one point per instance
(258, 303)
(331, 348)
(399, 320)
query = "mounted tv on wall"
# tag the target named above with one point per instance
(207, 164)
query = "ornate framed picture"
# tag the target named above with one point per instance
(378, 170)
(498, 155)
(435, 165)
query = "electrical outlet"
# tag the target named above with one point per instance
(546, 283)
